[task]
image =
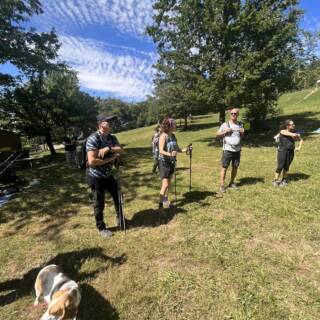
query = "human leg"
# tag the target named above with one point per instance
(235, 166)
(225, 161)
(98, 192)
(281, 159)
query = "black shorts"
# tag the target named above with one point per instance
(166, 169)
(285, 157)
(228, 156)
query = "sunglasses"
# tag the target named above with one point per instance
(234, 114)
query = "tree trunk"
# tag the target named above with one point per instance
(49, 142)
(185, 127)
(222, 116)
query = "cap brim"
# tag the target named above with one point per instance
(106, 118)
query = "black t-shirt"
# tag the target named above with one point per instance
(68, 144)
(286, 143)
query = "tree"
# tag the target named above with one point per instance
(237, 53)
(30, 51)
(48, 104)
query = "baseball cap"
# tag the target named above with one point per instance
(105, 117)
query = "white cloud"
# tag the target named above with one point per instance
(127, 16)
(126, 74)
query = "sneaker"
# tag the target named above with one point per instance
(275, 183)
(105, 233)
(233, 185)
(284, 183)
(222, 189)
(167, 204)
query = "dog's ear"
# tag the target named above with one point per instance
(71, 309)
(57, 309)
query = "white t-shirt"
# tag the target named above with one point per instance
(232, 141)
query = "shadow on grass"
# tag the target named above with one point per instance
(211, 141)
(94, 306)
(250, 180)
(70, 262)
(195, 196)
(298, 176)
(153, 218)
(60, 187)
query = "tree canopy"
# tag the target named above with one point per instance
(28, 50)
(226, 53)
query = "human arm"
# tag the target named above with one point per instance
(113, 147)
(290, 134)
(110, 149)
(95, 160)
(300, 144)
(223, 131)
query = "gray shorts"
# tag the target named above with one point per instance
(166, 169)
(230, 156)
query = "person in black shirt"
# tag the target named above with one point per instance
(287, 138)
(70, 149)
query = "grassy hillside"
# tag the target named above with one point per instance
(251, 253)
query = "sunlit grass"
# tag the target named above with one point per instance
(251, 253)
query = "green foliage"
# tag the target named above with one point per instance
(30, 51)
(218, 54)
(130, 115)
(308, 75)
(47, 105)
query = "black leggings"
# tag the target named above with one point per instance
(285, 157)
(99, 186)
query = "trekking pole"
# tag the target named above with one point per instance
(189, 152)
(120, 197)
(175, 185)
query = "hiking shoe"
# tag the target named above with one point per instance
(233, 185)
(275, 183)
(105, 233)
(284, 183)
(222, 189)
(167, 204)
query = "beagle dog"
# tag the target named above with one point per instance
(61, 294)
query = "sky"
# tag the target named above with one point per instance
(105, 42)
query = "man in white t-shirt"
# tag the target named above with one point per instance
(231, 132)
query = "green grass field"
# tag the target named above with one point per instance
(251, 253)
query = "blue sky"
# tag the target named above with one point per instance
(104, 41)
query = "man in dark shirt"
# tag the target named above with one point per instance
(103, 149)
(70, 150)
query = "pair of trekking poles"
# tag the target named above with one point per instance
(189, 153)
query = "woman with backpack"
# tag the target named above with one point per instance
(286, 139)
(155, 148)
(168, 149)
